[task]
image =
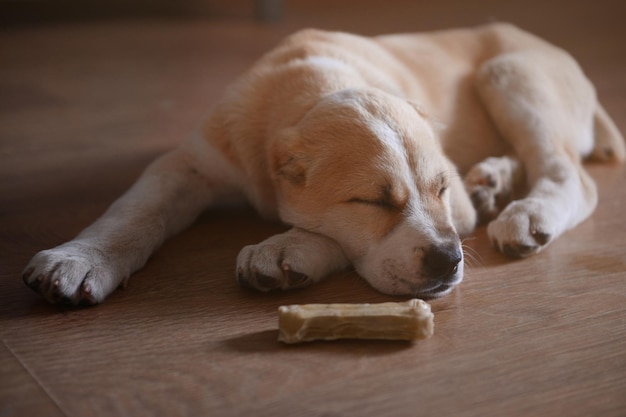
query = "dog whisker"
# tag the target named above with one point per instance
(472, 257)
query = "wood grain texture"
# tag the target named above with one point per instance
(84, 107)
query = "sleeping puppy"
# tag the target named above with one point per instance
(382, 153)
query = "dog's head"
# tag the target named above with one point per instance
(365, 169)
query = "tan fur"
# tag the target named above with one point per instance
(361, 144)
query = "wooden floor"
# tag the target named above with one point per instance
(85, 106)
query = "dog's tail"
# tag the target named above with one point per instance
(609, 143)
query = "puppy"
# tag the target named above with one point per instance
(382, 153)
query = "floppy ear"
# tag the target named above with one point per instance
(287, 157)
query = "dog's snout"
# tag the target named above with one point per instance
(443, 261)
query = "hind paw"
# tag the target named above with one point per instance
(490, 185)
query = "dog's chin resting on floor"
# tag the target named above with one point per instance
(381, 153)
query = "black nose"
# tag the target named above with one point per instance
(442, 261)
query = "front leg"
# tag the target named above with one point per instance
(168, 196)
(294, 259)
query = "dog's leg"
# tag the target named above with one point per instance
(609, 143)
(296, 258)
(168, 196)
(464, 215)
(492, 184)
(543, 105)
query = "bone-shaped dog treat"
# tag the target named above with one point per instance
(410, 320)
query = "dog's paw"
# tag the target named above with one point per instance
(490, 185)
(71, 274)
(293, 259)
(523, 228)
(271, 266)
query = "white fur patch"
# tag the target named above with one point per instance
(389, 137)
(327, 63)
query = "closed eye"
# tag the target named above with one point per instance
(382, 203)
(440, 185)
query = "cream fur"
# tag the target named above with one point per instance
(361, 144)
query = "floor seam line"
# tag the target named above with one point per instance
(32, 374)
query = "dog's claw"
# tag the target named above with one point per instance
(518, 251)
(27, 273)
(65, 300)
(541, 237)
(266, 282)
(296, 279)
(33, 284)
(242, 280)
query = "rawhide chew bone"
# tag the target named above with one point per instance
(410, 320)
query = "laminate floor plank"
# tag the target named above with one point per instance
(20, 392)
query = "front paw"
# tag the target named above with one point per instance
(71, 274)
(523, 228)
(293, 259)
(271, 266)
